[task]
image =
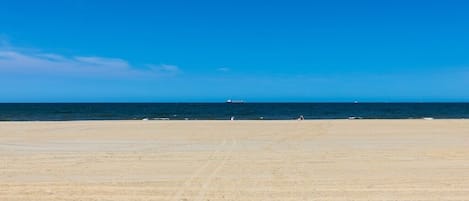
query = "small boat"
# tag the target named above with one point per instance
(234, 101)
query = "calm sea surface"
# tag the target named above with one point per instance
(224, 111)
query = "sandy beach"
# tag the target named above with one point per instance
(235, 160)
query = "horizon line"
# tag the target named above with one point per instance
(222, 102)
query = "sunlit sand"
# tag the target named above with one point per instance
(235, 160)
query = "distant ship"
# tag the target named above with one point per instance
(234, 101)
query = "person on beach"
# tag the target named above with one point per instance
(301, 118)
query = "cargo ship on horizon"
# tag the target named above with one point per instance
(234, 101)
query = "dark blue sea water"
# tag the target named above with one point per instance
(223, 111)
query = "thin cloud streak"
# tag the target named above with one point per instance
(40, 64)
(223, 69)
(165, 69)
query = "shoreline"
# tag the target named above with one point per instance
(236, 120)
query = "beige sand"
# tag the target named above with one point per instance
(235, 160)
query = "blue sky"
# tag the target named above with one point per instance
(209, 51)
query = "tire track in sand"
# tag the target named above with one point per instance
(215, 171)
(196, 173)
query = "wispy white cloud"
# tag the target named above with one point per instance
(223, 69)
(165, 69)
(21, 61)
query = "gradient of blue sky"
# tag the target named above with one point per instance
(55, 51)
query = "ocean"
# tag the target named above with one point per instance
(224, 111)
